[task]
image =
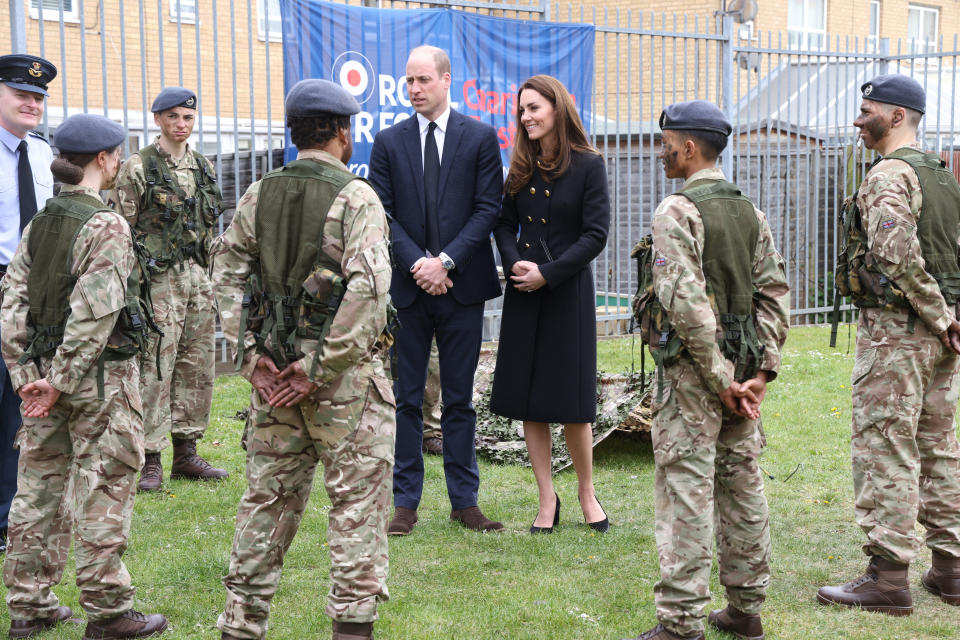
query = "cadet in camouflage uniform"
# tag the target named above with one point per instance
(432, 435)
(321, 317)
(906, 281)
(716, 274)
(70, 341)
(167, 193)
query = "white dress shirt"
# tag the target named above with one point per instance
(439, 134)
(40, 158)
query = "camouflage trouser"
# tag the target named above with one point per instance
(906, 460)
(354, 440)
(431, 396)
(185, 311)
(95, 448)
(707, 477)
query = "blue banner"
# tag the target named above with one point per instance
(365, 50)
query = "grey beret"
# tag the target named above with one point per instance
(172, 97)
(27, 73)
(315, 97)
(695, 115)
(893, 88)
(88, 133)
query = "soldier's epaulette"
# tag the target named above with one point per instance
(37, 134)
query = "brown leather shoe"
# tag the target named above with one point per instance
(433, 446)
(352, 630)
(151, 476)
(472, 518)
(883, 587)
(943, 578)
(660, 632)
(188, 465)
(742, 625)
(131, 624)
(403, 521)
(26, 628)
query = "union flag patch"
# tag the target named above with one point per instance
(888, 224)
(659, 262)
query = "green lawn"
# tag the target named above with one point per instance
(446, 582)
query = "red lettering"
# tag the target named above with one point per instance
(472, 84)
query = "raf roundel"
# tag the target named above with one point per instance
(353, 71)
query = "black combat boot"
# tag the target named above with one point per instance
(883, 587)
(190, 466)
(131, 624)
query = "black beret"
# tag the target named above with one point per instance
(315, 97)
(88, 133)
(695, 115)
(893, 88)
(27, 73)
(172, 97)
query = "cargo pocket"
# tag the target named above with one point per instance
(122, 439)
(862, 365)
(375, 435)
(670, 433)
(102, 291)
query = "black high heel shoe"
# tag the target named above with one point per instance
(556, 519)
(599, 525)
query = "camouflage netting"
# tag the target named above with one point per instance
(621, 406)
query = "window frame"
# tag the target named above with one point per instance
(928, 46)
(804, 33)
(71, 15)
(184, 4)
(263, 32)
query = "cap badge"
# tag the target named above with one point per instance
(189, 101)
(868, 90)
(35, 72)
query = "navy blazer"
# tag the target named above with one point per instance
(471, 186)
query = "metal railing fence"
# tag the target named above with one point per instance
(792, 150)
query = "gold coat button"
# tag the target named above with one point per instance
(526, 244)
(529, 218)
(547, 192)
(543, 220)
(533, 190)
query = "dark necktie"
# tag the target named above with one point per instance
(431, 179)
(28, 197)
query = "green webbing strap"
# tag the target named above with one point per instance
(835, 318)
(100, 394)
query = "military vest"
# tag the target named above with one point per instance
(171, 226)
(731, 231)
(50, 283)
(938, 227)
(295, 288)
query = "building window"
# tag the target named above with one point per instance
(873, 40)
(268, 20)
(187, 10)
(922, 28)
(807, 24)
(51, 10)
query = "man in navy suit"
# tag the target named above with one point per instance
(440, 178)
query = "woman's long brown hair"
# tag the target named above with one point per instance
(571, 136)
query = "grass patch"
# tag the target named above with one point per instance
(446, 582)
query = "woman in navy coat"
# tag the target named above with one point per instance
(553, 223)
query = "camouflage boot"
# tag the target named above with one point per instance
(352, 630)
(943, 578)
(188, 465)
(151, 476)
(883, 587)
(131, 624)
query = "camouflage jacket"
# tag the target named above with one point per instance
(890, 200)
(680, 285)
(132, 183)
(103, 258)
(356, 234)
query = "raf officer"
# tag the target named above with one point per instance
(167, 193)
(318, 312)
(71, 336)
(25, 185)
(721, 285)
(906, 460)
